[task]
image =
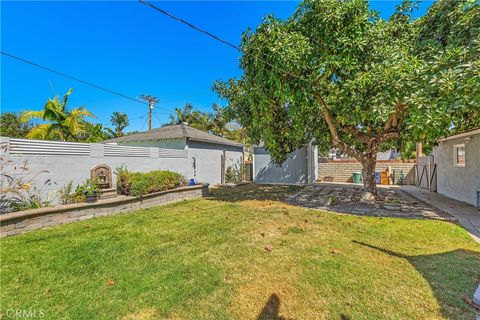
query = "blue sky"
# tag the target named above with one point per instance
(129, 48)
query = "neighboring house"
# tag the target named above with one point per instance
(300, 167)
(210, 154)
(457, 160)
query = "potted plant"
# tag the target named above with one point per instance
(91, 190)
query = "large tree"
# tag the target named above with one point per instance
(58, 121)
(337, 74)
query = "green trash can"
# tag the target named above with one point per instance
(357, 177)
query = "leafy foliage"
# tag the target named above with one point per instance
(67, 195)
(11, 126)
(120, 121)
(235, 173)
(17, 191)
(139, 183)
(216, 122)
(93, 133)
(338, 74)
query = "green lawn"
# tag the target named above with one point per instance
(234, 257)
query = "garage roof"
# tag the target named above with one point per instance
(174, 132)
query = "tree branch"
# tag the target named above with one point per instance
(337, 142)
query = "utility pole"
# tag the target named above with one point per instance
(151, 101)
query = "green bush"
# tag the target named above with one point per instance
(139, 184)
(235, 173)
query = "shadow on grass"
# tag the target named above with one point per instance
(451, 275)
(271, 309)
(253, 192)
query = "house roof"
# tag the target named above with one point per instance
(174, 132)
(462, 134)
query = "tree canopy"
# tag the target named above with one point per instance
(338, 74)
(216, 122)
(12, 126)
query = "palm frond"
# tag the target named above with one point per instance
(40, 132)
(29, 115)
(65, 98)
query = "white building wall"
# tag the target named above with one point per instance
(461, 183)
(208, 159)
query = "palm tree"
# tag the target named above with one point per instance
(62, 123)
(194, 118)
(120, 121)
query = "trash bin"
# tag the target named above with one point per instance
(377, 177)
(357, 177)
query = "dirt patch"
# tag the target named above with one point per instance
(273, 296)
(141, 315)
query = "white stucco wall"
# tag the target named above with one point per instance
(208, 159)
(207, 156)
(461, 183)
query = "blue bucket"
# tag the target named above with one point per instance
(191, 182)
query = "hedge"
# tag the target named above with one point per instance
(139, 183)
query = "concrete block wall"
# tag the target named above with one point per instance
(341, 171)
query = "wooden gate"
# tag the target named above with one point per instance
(426, 173)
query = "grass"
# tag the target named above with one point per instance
(241, 254)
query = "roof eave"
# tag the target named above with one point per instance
(234, 144)
(461, 135)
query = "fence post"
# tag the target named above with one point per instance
(96, 150)
(154, 153)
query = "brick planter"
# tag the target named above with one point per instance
(22, 221)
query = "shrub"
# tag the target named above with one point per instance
(17, 188)
(235, 173)
(139, 184)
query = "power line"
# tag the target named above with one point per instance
(77, 79)
(71, 77)
(217, 38)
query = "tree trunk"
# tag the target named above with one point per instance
(368, 174)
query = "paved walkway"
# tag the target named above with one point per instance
(467, 215)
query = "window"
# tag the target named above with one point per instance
(459, 155)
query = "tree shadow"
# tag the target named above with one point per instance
(253, 192)
(271, 309)
(452, 276)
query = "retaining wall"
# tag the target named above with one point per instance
(22, 221)
(341, 171)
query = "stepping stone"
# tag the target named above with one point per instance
(476, 296)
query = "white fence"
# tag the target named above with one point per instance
(59, 148)
(58, 162)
